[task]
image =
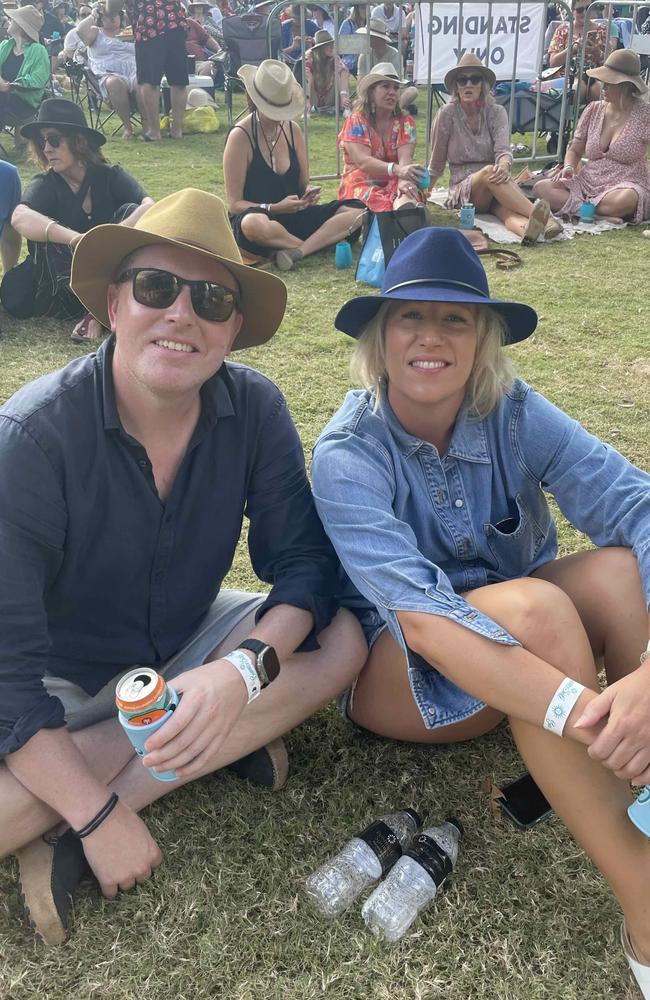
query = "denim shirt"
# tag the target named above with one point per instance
(414, 529)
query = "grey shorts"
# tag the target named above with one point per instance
(229, 608)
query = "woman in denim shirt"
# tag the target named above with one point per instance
(431, 485)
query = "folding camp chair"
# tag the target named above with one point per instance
(246, 41)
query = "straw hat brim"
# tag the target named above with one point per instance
(27, 28)
(277, 113)
(98, 253)
(370, 79)
(450, 78)
(373, 34)
(319, 45)
(608, 75)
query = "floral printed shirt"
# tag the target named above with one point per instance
(151, 18)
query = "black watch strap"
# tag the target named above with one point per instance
(267, 664)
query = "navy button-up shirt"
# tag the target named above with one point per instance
(97, 573)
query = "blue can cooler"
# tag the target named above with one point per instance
(587, 211)
(467, 217)
(639, 811)
(343, 254)
(139, 735)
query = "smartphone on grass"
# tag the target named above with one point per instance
(523, 803)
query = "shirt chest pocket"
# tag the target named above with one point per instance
(515, 542)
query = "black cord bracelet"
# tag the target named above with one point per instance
(97, 820)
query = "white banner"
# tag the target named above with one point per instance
(488, 32)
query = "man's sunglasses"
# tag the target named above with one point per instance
(159, 289)
(462, 81)
(54, 140)
(579, 10)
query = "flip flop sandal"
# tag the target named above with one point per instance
(80, 334)
(537, 222)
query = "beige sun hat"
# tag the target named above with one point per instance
(198, 98)
(273, 89)
(376, 29)
(621, 66)
(467, 62)
(194, 220)
(321, 37)
(380, 72)
(29, 19)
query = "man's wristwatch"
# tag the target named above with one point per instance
(267, 665)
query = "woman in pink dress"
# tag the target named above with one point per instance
(378, 142)
(614, 134)
(471, 134)
(322, 67)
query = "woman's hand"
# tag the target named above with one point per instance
(408, 188)
(412, 172)
(500, 174)
(624, 744)
(289, 205)
(5, 87)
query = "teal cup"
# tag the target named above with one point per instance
(139, 735)
(639, 811)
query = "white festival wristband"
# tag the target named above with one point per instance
(645, 655)
(248, 672)
(560, 705)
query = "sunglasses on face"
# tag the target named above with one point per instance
(54, 140)
(462, 81)
(159, 289)
(579, 10)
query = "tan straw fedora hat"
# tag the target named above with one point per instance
(621, 66)
(273, 89)
(194, 220)
(469, 63)
(380, 72)
(321, 37)
(29, 19)
(376, 29)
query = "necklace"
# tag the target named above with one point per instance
(273, 141)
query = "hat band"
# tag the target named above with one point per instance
(444, 282)
(274, 104)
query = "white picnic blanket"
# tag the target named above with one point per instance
(495, 230)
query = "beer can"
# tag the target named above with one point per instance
(142, 693)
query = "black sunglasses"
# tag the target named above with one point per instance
(579, 10)
(159, 289)
(462, 81)
(54, 140)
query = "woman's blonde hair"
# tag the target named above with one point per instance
(491, 374)
(485, 98)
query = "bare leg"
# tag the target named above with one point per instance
(10, 244)
(621, 203)
(555, 194)
(306, 682)
(258, 228)
(118, 92)
(590, 799)
(151, 101)
(179, 99)
(509, 195)
(346, 220)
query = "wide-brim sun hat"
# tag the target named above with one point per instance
(436, 264)
(273, 89)
(322, 37)
(64, 115)
(621, 66)
(193, 220)
(468, 63)
(380, 73)
(28, 18)
(376, 28)
(198, 98)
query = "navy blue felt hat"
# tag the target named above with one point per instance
(436, 264)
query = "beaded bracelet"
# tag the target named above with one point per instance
(560, 705)
(99, 818)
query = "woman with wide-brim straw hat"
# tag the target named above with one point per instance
(322, 70)
(77, 190)
(273, 208)
(24, 66)
(471, 134)
(432, 482)
(378, 143)
(381, 51)
(614, 135)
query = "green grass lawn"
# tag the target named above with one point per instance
(526, 916)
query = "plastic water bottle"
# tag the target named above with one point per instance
(413, 881)
(466, 217)
(363, 860)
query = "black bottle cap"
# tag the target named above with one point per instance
(415, 816)
(457, 823)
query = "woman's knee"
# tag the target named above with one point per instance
(536, 612)
(344, 646)
(255, 227)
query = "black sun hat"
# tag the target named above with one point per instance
(67, 116)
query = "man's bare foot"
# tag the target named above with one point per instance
(87, 328)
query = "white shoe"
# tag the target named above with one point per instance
(640, 972)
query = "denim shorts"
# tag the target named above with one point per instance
(440, 702)
(225, 613)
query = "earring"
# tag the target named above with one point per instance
(373, 107)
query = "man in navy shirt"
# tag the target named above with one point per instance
(125, 480)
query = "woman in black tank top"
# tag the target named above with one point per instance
(273, 207)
